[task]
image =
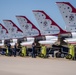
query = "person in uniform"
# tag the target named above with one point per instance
(33, 50)
(9, 49)
(15, 49)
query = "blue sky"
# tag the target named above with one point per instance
(10, 8)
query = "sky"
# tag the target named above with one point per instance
(10, 8)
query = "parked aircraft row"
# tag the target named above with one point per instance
(49, 29)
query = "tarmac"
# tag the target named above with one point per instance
(36, 66)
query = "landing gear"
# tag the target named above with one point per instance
(68, 56)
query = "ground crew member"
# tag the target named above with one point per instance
(15, 49)
(33, 50)
(43, 50)
(9, 49)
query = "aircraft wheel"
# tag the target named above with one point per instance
(62, 55)
(41, 55)
(6, 54)
(69, 56)
(21, 54)
(57, 55)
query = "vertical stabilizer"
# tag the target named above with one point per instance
(14, 30)
(3, 33)
(47, 24)
(68, 13)
(28, 27)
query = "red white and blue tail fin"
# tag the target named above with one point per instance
(3, 33)
(28, 27)
(68, 13)
(13, 29)
(47, 24)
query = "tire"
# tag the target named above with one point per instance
(6, 54)
(21, 54)
(57, 55)
(41, 55)
(62, 55)
(69, 56)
